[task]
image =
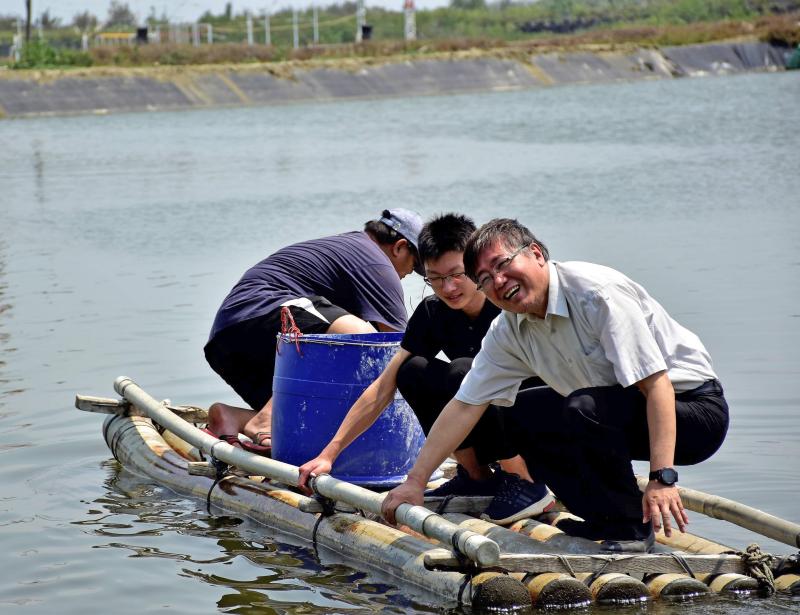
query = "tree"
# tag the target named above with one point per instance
(85, 22)
(47, 21)
(468, 4)
(120, 14)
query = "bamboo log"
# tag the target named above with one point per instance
(615, 588)
(674, 585)
(560, 589)
(633, 563)
(474, 546)
(138, 446)
(554, 589)
(105, 405)
(547, 589)
(551, 535)
(722, 583)
(739, 514)
(789, 583)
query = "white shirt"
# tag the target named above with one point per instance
(600, 329)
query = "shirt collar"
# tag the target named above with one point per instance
(556, 301)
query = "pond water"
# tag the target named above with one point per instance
(120, 235)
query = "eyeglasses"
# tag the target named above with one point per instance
(437, 281)
(488, 278)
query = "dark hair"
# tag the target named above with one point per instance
(386, 235)
(444, 233)
(510, 232)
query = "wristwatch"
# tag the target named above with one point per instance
(665, 476)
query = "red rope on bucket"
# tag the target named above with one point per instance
(290, 329)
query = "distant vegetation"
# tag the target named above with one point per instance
(465, 24)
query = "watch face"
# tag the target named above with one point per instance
(668, 476)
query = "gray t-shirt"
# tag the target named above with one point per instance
(349, 270)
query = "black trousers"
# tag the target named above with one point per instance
(582, 445)
(428, 384)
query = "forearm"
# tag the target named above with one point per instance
(451, 427)
(660, 420)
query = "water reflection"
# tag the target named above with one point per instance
(254, 572)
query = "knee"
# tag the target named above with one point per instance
(456, 372)
(409, 373)
(217, 414)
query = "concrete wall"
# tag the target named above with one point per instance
(38, 93)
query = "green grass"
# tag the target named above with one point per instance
(617, 23)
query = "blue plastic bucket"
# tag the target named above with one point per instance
(317, 380)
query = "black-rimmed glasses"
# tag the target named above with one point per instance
(500, 266)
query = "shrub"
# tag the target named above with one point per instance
(39, 54)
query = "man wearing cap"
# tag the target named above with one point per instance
(348, 283)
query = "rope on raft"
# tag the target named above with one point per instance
(759, 566)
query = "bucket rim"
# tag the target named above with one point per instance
(330, 339)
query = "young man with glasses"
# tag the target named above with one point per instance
(624, 381)
(348, 283)
(453, 321)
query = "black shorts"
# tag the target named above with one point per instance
(244, 354)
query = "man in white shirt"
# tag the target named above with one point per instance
(625, 381)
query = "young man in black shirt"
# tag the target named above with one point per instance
(453, 321)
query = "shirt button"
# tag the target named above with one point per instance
(470, 327)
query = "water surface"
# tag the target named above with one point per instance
(120, 235)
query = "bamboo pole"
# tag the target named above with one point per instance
(739, 514)
(138, 446)
(547, 589)
(474, 546)
(720, 583)
(560, 589)
(670, 585)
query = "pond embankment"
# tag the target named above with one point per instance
(110, 90)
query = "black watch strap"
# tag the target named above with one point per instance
(665, 476)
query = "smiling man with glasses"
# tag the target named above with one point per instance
(624, 381)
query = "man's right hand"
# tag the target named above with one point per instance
(310, 469)
(409, 492)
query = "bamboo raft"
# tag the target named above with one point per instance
(451, 553)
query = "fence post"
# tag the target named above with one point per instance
(295, 29)
(316, 25)
(267, 33)
(410, 21)
(249, 28)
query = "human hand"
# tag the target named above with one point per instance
(658, 502)
(409, 492)
(311, 469)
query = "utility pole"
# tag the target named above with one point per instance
(27, 21)
(267, 33)
(249, 28)
(410, 21)
(361, 19)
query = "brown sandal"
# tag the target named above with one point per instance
(233, 440)
(256, 445)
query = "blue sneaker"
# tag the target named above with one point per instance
(517, 499)
(462, 484)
